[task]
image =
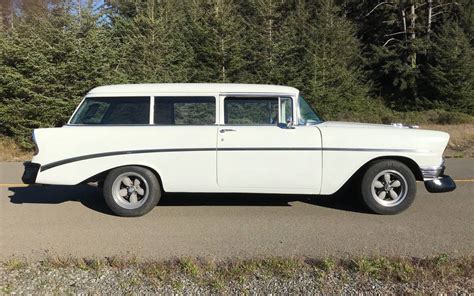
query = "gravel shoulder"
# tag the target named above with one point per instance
(381, 275)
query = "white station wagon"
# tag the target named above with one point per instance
(141, 140)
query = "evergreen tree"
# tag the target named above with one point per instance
(48, 62)
(217, 35)
(450, 70)
(337, 83)
(153, 45)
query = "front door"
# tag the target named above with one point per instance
(258, 147)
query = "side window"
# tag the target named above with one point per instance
(251, 111)
(116, 110)
(185, 110)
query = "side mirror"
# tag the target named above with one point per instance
(289, 124)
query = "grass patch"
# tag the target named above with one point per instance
(461, 142)
(15, 264)
(87, 264)
(7, 289)
(11, 151)
(189, 267)
(400, 270)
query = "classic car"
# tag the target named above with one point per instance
(141, 140)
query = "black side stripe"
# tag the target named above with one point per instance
(114, 153)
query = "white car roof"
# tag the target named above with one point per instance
(152, 88)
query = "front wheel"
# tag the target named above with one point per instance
(388, 187)
(131, 191)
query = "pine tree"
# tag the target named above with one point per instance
(217, 35)
(48, 62)
(152, 44)
(450, 70)
(337, 83)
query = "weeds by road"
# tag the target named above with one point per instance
(461, 143)
(11, 151)
(383, 275)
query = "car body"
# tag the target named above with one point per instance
(241, 138)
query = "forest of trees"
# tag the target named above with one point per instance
(361, 60)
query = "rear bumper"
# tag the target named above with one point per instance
(440, 184)
(30, 173)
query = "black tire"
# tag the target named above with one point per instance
(372, 192)
(141, 204)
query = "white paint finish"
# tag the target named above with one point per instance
(186, 170)
(270, 169)
(189, 88)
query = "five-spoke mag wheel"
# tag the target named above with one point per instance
(131, 191)
(388, 187)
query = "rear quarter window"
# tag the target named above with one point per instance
(113, 110)
(185, 110)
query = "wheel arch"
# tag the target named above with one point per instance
(100, 177)
(410, 163)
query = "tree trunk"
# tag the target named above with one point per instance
(412, 56)
(404, 17)
(430, 13)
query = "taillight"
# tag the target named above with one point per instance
(36, 145)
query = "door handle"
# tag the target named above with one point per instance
(227, 130)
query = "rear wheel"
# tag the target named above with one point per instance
(131, 191)
(388, 187)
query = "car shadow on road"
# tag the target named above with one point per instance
(91, 197)
(342, 200)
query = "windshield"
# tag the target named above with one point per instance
(307, 114)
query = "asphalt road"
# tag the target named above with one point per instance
(40, 221)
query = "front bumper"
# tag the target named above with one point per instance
(436, 181)
(30, 173)
(440, 184)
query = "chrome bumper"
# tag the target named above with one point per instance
(436, 181)
(431, 173)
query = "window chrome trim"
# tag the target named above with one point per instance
(152, 110)
(250, 94)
